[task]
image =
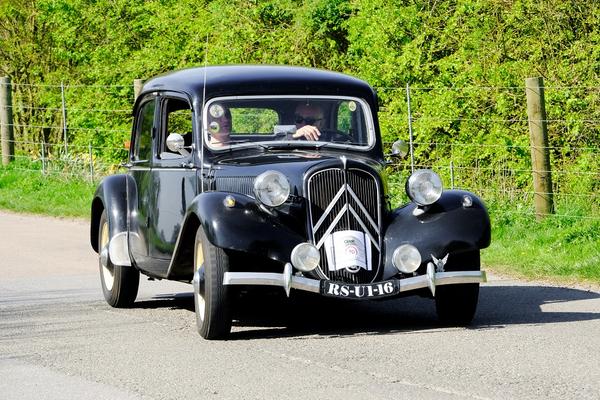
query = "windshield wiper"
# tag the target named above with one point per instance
(299, 144)
(283, 144)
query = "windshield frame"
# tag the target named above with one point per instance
(366, 109)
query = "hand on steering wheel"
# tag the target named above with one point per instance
(308, 132)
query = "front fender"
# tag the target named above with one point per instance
(111, 195)
(445, 227)
(244, 227)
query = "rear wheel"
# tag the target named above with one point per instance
(212, 299)
(456, 304)
(119, 284)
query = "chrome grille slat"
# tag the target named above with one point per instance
(364, 228)
(334, 223)
(345, 200)
(362, 208)
(326, 212)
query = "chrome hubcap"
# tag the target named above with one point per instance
(108, 271)
(199, 282)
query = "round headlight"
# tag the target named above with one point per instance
(406, 258)
(305, 257)
(271, 188)
(424, 187)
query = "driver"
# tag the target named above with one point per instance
(309, 120)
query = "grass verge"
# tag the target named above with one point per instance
(25, 189)
(560, 249)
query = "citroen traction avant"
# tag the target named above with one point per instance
(222, 192)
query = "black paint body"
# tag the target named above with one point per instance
(161, 203)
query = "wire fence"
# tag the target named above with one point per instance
(82, 162)
(507, 182)
(66, 132)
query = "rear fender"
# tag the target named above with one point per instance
(111, 195)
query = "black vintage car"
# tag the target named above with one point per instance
(267, 175)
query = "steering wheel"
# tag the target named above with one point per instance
(335, 136)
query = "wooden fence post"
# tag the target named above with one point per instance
(45, 139)
(64, 117)
(540, 153)
(91, 163)
(410, 131)
(43, 158)
(6, 121)
(137, 88)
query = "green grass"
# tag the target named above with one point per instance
(23, 188)
(558, 248)
(561, 249)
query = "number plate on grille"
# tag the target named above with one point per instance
(360, 291)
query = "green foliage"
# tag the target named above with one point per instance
(462, 45)
(465, 61)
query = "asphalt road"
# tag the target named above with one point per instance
(60, 340)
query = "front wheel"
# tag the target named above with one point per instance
(119, 284)
(456, 304)
(211, 298)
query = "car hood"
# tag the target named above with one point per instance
(236, 172)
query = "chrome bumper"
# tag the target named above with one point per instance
(288, 281)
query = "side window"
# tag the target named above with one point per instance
(177, 118)
(143, 139)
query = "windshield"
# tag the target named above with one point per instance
(287, 121)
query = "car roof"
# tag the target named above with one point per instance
(243, 80)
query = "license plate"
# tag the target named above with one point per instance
(360, 291)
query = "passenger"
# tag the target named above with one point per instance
(219, 125)
(309, 121)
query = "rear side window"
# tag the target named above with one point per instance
(143, 139)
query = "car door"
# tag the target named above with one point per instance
(140, 186)
(173, 178)
(164, 182)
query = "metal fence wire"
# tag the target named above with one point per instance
(487, 153)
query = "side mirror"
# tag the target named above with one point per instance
(176, 143)
(399, 149)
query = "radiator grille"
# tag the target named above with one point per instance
(235, 184)
(345, 200)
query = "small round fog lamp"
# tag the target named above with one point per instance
(305, 257)
(406, 258)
